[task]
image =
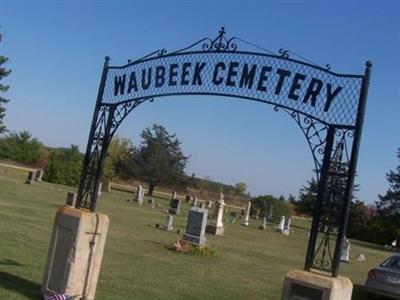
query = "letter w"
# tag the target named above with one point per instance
(119, 85)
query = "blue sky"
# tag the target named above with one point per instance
(57, 48)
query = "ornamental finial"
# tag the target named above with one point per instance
(222, 31)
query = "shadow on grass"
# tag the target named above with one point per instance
(371, 246)
(9, 262)
(20, 285)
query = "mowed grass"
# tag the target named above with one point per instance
(250, 263)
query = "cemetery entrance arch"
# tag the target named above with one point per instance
(328, 107)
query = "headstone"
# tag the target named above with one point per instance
(270, 214)
(247, 214)
(31, 177)
(287, 223)
(139, 195)
(188, 198)
(216, 226)
(264, 223)
(257, 214)
(203, 205)
(194, 203)
(209, 203)
(345, 256)
(232, 217)
(361, 257)
(71, 199)
(196, 226)
(281, 225)
(168, 223)
(109, 186)
(174, 207)
(100, 187)
(39, 175)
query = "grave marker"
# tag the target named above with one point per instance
(39, 175)
(71, 199)
(196, 226)
(247, 214)
(30, 178)
(216, 226)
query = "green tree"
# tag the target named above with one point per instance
(21, 147)
(120, 161)
(64, 166)
(160, 158)
(265, 203)
(307, 197)
(389, 204)
(3, 88)
(240, 188)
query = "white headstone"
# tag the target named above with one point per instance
(168, 223)
(100, 187)
(281, 225)
(361, 257)
(345, 257)
(139, 194)
(264, 223)
(247, 214)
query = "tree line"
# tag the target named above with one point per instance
(376, 223)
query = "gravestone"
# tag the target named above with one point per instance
(71, 199)
(270, 214)
(174, 207)
(264, 224)
(39, 175)
(232, 217)
(196, 226)
(194, 203)
(281, 225)
(100, 188)
(30, 178)
(109, 186)
(216, 226)
(345, 255)
(203, 205)
(139, 195)
(188, 198)
(247, 214)
(209, 203)
(168, 223)
(361, 257)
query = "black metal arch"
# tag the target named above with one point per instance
(334, 146)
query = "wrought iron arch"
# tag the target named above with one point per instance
(333, 137)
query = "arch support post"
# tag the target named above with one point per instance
(96, 149)
(345, 212)
(322, 184)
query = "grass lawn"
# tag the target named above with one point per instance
(250, 263)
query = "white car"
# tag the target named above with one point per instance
(385, 279)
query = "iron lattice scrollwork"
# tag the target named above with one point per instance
(332, 126)
(108, 120)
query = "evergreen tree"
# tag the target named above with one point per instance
(3, 88)
(389, 204)
(21, 147)
(160, 158)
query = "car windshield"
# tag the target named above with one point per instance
(392, 263)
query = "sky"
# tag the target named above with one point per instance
(56, 51)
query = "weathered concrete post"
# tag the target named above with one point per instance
(75, 253)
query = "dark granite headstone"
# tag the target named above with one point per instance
(196, 226)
